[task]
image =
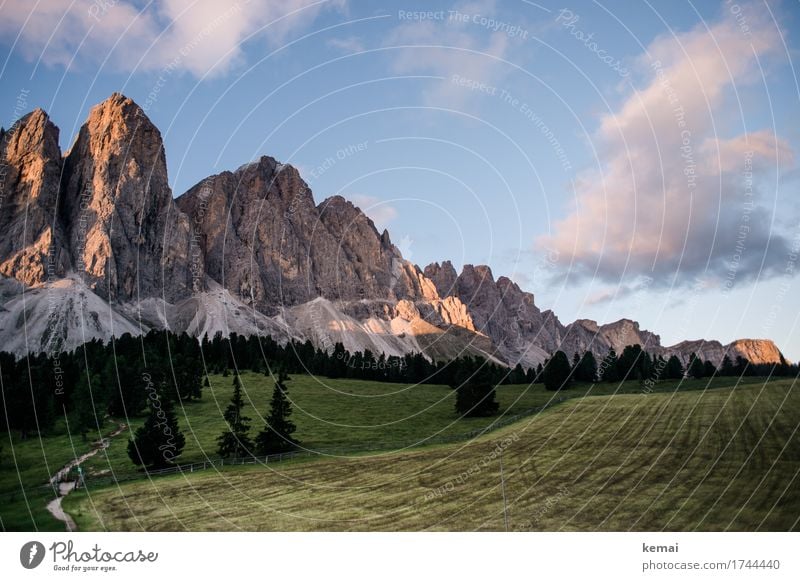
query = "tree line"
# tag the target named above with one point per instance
(147, 375)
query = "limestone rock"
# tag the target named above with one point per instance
(126, 237)
(32, 242)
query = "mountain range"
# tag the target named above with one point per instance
(93, 245)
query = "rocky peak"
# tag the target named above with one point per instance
(33, 134)
(127, 239)
(755, 351)
(386, 241)
(588, 324)
(32, 245)
(255, 237)
(624, 332)
(444, 277)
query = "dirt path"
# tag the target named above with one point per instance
(59, 479)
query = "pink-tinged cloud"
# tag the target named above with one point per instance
(203, 37)
(669, 197)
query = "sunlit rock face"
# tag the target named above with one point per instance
(101, 247)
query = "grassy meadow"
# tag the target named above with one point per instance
(404, 426)
(715, 459)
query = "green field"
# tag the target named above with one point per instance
(724, 458)
(337, 416)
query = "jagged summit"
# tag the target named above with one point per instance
(32, 240)
(98, 233)
(126, 238)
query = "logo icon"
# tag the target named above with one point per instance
(31, 554)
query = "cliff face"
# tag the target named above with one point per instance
(96, 235)
(126, 237)
(261, 233)
(32, 241)
(755, 351)
(502, 311)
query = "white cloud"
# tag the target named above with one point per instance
(204, 36)
(672, 197)
(467, 50)
(380, 212)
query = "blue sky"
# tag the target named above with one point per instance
(618, 159)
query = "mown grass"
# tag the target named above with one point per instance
(337, 416)
(686, 459)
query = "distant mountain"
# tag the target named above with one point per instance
(93, 245)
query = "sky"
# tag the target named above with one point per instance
(616, 159)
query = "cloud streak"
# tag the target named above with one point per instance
(204, 36)
(671, 197)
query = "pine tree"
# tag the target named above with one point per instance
(674, 369)
(235, 442)
(87, 414)
(158, 442)
(726, 369)
(630, 363)
(741, 367)
(517, 375)
(576, 362)
(695, 368)
(276, 437)
(608, 368)
(557, 372)
(476, 400)
(587, 368)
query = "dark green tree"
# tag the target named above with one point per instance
(517, 375)
(476, 400)
(87, 413)
(587, 368)
(608, 368)
(276, 437)
(674, 368)
(695, 368)
(539, 373)
(632, 364)
(159, 441)
(726, 368)
(556, 374)
(235, 441)
(742, 366)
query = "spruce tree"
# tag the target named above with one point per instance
(557, 372)
(87, 414)
(235, 442)
(587, 368)
(158, 442)
(726, 368)
(695, 368)
(476, 400)
(608, 369)
(674, 369)
(276, 437)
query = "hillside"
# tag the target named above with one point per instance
(716, 459)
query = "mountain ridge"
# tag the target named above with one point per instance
(98, 232)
